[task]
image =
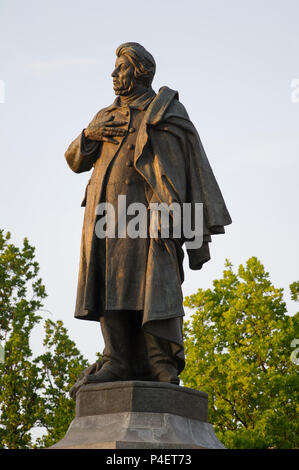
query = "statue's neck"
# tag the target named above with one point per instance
(134, 95)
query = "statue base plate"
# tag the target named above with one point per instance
(140, 415)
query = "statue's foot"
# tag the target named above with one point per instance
(167, 374)
(81, 378)
(173, 379)
(105, 374)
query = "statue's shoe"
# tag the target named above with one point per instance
(105, 374)
(81, 378)
(173, 379)
(167, 374)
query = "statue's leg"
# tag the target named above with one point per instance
(115, 361)
(162, 361)
(139, 358)
(125, 354)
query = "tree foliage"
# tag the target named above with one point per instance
(238, 348)
(21, 296)
(61, 364)
(33, 390)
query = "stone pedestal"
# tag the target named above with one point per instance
(140, 415)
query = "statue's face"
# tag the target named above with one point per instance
(123, 76)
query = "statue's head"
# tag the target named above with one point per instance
(134, 68)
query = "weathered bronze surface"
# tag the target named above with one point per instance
(143, 146)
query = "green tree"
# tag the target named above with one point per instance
(238, 348)
(33, 391)
(61, 364)
(21, 296)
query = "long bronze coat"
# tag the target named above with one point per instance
(169, 156)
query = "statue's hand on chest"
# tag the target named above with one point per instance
(105, 130)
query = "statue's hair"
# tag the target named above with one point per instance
(143, 62)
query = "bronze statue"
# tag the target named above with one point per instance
(145, 147)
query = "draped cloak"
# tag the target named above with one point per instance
(169, 156)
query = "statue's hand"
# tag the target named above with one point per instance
(105, 131)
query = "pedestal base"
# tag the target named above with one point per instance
(140, 415)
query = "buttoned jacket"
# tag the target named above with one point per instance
(167, 153)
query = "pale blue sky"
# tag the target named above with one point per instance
(232, 63)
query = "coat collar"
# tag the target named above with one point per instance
(140, 102)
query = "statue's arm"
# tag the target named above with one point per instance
(83, 152)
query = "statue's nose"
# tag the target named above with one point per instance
(114, 73)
